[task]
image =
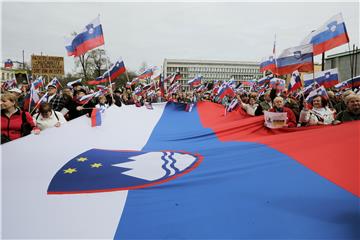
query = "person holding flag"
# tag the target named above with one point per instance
(319, 114)
(251, 107)
(81, 107)
(56, 100)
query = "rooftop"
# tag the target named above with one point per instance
(342, 54)
(210, 62)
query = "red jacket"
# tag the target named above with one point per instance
(11, 127)
(291, 121)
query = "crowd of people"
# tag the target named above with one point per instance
(19, 119)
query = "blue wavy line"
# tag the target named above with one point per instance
(164, 165)
(173, 163)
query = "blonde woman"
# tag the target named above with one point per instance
(14, 122)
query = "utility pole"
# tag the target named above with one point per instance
(23, 55)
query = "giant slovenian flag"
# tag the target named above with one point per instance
(181, 175)
(330, 35)
(116, 70)
(269, 64)
(89, 38)
(327, 78)
(295, 58)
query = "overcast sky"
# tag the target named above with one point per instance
(149, 32)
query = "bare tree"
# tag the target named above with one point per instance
(82, 61)
(143, 67)
(92, 63)
(99, 61)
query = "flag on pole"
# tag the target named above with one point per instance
(343, 85)
(8, 84)
(295, 82)
(34, 97)
(95, 117)
(89, 38)
(327, 78)
(308, 79)
(249, 83)
(269, 64)
(321, 91)
(306, 90)
(295, 58)
(86, 98)
(147, 73)
(264, 80)
(233, 104)
(201, 88)
(138, 91)
(224, 90)
(196, 81)
(54, 82)
(172, 78)
(280, 83)
(69, 84)
(330, 35)
(174, 88)
(8, 64)
(161, 86)
(38, 82)
(116, 70)
(350, 83)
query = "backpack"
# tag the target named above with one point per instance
(54, 113)
(26, 128)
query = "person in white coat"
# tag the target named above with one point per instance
(320, 114)
(47, 117)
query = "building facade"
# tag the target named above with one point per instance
(6, 74)
(212, 70)
(342, 61)
(16, 71)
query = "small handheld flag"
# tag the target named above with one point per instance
(95, 117)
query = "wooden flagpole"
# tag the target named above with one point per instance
(109, 79)
(351, 65)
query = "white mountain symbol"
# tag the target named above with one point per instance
(148, 166)
(333, 28)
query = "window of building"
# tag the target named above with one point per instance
(333, 63)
